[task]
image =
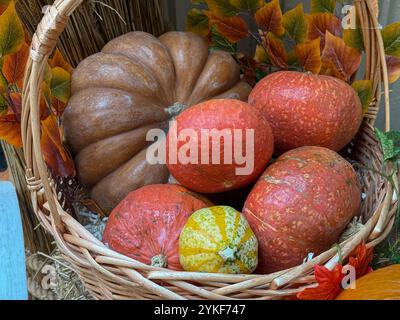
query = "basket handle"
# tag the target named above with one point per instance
(44, 41)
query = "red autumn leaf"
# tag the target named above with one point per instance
(338, 59)
(54, 153)
(14, 65)
(320, 23)
(59, 61)
(10, 129)
(269, 18)
(329, 284)
(58, 106)
(309, 55)
(276, 52)
(16, 99)
(2, 9)
(231, 28)
(393, 65)
(360, 259)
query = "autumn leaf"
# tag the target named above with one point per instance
(391, 39)
(277, 52)
(3, 106)
(16, 99)
(329, 284)
(364, 91)
(393, 66)
(60, 84)
(14, 65)
(309, 55)
(360, 259)
(53, 151)
(232, 28)
(10, 129)
(197, 22)
(354, 37)
(269, 18)
(3, 83)
(323, 6)
(218, 42)
(338, 59)
(222, 8)
(295, 23)
(59, 61)
(261, 55)
(320, 23)
(247, 5)
(12, 34)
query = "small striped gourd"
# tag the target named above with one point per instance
(218, 239)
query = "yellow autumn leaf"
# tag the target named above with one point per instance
(391, 39)
(197, 22)
(269, 18)
(60, 84)
(12, 35)
(222, 8)
(295, 23)
(248, 5)
(364, 91)
(260, 55)
(309, 55)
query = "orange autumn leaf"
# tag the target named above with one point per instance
(10, 130)
(54, 153)
(338, 59)
(269, 18)
(16, 99)
(277, 52)
(59, 61)
(320, 23)
(360, 259)
(393, 65)
(231, 28)
(14, 65)
(58, 106)
(329, 284)
(309, 55)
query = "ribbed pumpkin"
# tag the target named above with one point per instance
(218, 239)
(382, 284)
(146, 225)
(138, 83)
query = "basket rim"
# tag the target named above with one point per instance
(99, 266)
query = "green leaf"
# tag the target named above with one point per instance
(390, 143)
(391, 39)
(60, 84)
(222, 8)
(218, 42)
(323, 6)
(354, 37)
(197, 22)
(364, 90)
(12, 35)
(248, 5)
(295, 23)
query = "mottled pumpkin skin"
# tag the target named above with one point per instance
(301, 204)
(146, 225)
(382, 284)
(221, 114)
(128, 88)
(218, 239)
(305, 109)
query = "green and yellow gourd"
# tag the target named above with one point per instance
(218, 240)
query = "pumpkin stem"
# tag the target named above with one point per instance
(160, 261)
(228, 254)
(176, 109)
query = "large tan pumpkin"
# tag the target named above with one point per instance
(137, 83)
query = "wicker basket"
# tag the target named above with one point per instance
(110, 275)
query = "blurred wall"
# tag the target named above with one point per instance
(389, 12)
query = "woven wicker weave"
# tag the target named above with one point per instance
(110, 275)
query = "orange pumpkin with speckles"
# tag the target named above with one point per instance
(305, 109)
(214, 124)
(301, 205)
